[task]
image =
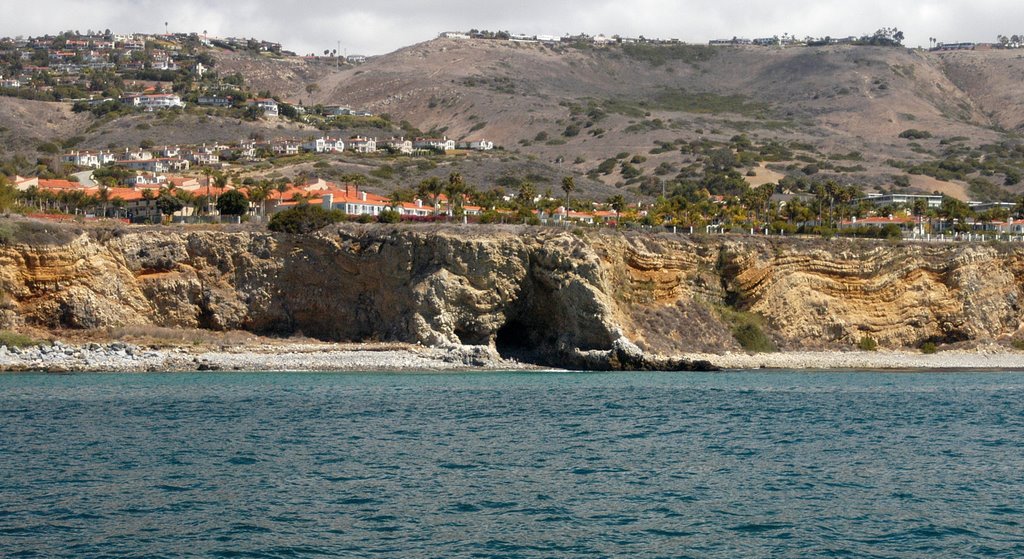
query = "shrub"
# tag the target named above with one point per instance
(233, 202)
(389, 216)
(929, 347)
(867, 343)
(915, 134)
(752, 338)
(1017, 344)
(304, 218)
(748, 329)
(14, 339)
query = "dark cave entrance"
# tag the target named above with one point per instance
(514, 340)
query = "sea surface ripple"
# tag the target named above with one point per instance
(510, 465)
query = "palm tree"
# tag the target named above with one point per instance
(617, 203)
(282, 187)
(568, 185)
(431, 187)
(103, 195)
(454, 190)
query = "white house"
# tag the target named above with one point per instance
(154, 102)
(82, 159)
(324, 144)
(361, 144)
(268, 106)
(142, 179)
(138, 154)
(478, 145)
(401, 145)
(443, 144)
(285, 147)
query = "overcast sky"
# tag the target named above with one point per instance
(380, 26)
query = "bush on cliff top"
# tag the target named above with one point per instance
(304, 218)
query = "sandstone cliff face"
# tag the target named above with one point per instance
(563, 298)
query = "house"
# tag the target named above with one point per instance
(440, 144)
(214, 101)
(136, 154)
(324, 144)
(285, 147)
(356, 59)
(478, 145)
(82, 159)
(267, 106)
(454, 35)
(167, 151)
(398, 145)
(144, 179)
(336, 110)
(933, 200)
(155, 102)
(361, 144)
(905, 223)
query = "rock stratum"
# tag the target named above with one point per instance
(597, 300)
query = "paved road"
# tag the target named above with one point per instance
(85, 178)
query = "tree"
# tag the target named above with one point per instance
(233, 202)
(568, 185)
(617, 203)
(103, 196)
(431, 188)
(454, 190)
(168, 204)
(8, 195)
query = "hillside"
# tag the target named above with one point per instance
(567, 109)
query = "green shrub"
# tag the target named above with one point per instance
(915, 134)
(304, 218)
(14, 339)
(389, 216)
(929, 347)
(867, 343)
(748, 329)
(1017, 344)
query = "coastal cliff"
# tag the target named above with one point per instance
(584, 299)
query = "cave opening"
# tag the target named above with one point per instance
(514, 340)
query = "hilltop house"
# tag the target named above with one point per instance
(441, 144)
(478, 145)
(399, 145)
(267, 106)
(154, 102)
(324, 144)
(362, 144)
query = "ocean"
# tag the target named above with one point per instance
(510, 465)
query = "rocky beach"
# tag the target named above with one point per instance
(313, 356)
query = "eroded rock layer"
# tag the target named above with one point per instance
(590, 300)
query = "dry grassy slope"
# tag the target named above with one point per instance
(24, 124)
(838, 98)
(993, 79)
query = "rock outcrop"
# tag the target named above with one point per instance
(592, 300)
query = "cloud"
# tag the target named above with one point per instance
(385, 25)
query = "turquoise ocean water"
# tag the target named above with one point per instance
(512, 465)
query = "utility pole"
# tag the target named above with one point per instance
(337, 56)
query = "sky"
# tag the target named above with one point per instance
(381, 26)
